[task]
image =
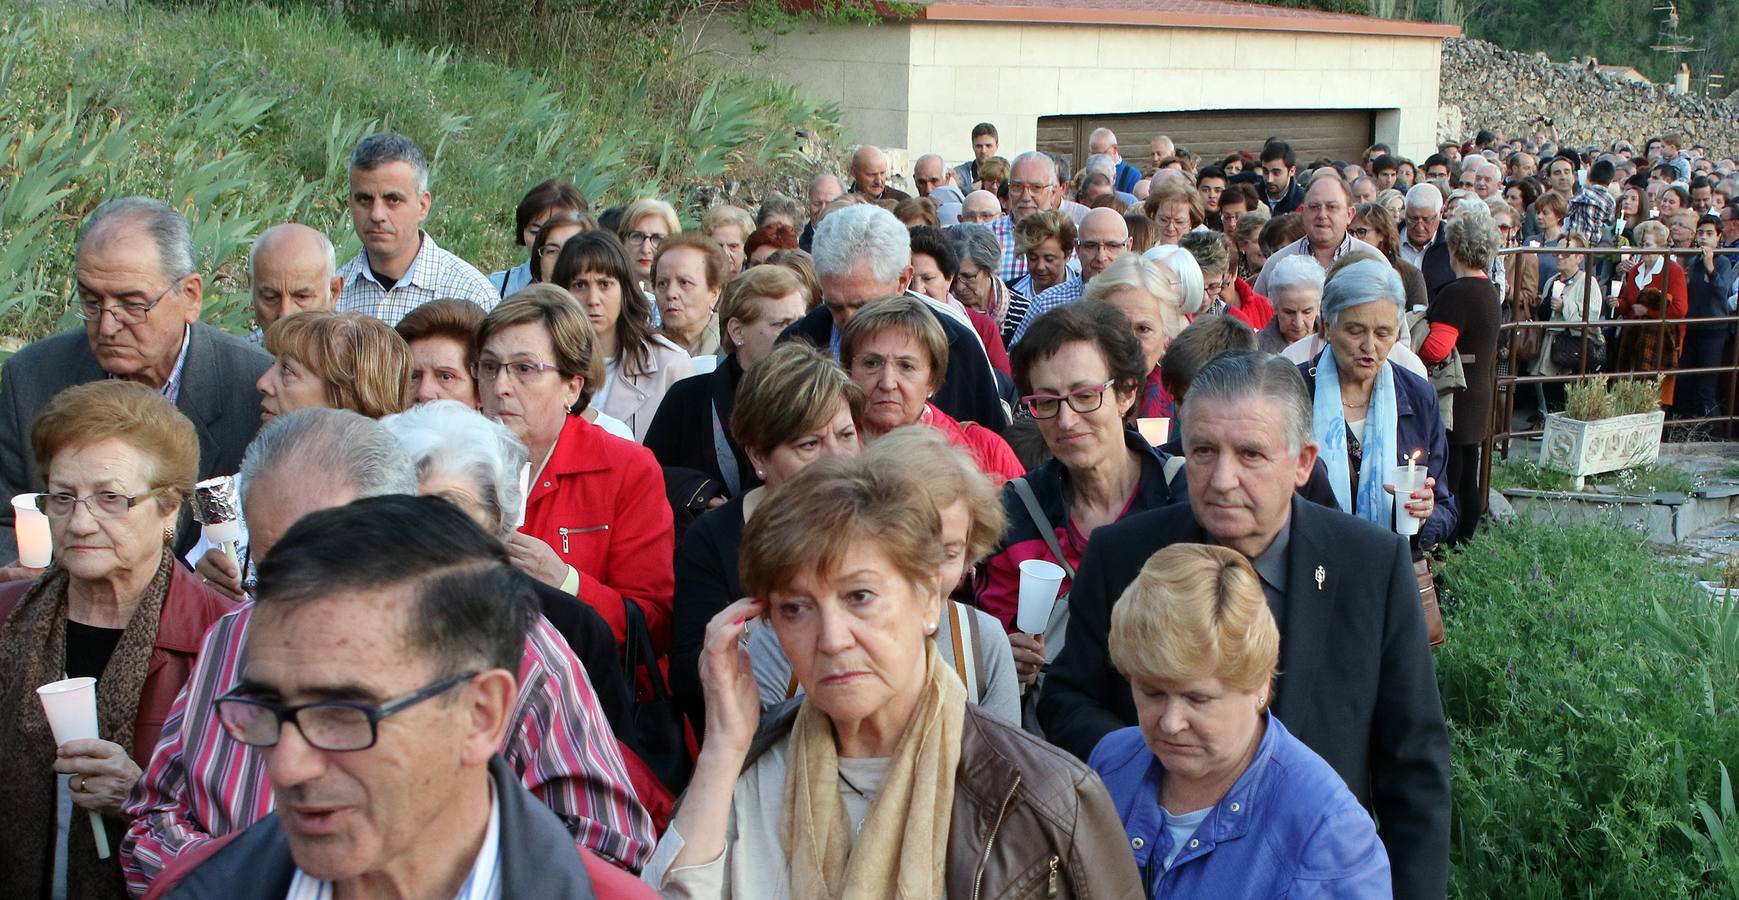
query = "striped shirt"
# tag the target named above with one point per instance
(1013, 264)
(434, 274)
(482, 883)
(1063, 294)
(201, 784)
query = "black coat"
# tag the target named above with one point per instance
(1356, 682)
(968, 391)
(706, 582)
(1435, 266)
(681, 434)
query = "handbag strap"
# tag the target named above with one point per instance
(637, 650)
(1024, 491)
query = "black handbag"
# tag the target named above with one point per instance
(1567, 352)
(657, 722)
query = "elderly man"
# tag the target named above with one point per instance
(863, 253)
(1421, 218)
(929, 173)
(1159, 149)
(869, 174)
(824, 188)
(980, 208)
(1488, 180)
(139, 295)
(984, 145)
(1104, 141)
(202, 784)
(1032, 186)
(394, 607)
(1357, 685)
(1364, 190)
(291, 270)
(400, 267)
(1327, 211)
(1104, 236)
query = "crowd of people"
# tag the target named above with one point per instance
(747, 516)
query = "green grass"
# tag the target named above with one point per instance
(244, 115)
(1592, 696)
(1641, 480)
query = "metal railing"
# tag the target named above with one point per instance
(1589, 330)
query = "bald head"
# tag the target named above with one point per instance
(929, 173)
(1104, 236)
(980, 207)
(291, 267)
(869, 168)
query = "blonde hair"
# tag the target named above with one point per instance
(1196, 610)
(142, 418)
(743, 294)
(1138, 273)
(949, 476)
(720, 216)
(364, 364)
(570, 332)
(640, 209)
(1173, 191)
(788, 393)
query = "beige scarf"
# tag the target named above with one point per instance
(902, 849)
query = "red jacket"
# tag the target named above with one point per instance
(992, 338)
(986, 447)
(1252, 308)
(1670, 279)
(188, 611)
(600, 505)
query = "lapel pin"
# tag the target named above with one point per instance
(1321, 576)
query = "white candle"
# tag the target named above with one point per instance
(524, 493)
(35, 543)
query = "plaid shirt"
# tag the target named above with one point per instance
(434, 274)
(1591, 215)
(201, 784)
(1050, 298)
(1013, 264)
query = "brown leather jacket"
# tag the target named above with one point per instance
(1029, 820)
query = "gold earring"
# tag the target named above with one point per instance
(169, 535)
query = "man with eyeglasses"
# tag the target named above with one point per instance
(980, 208)
(381, 677)
(400, 267)
(202, 784)
(1421, 217)
(140, 296)
(1104, 236)
(1328, 211)
(1032, 186)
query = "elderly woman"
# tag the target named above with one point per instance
(439, 335)
(1046, 240)
(1149, 296)
(1464, 320)
(692, 429)
(547, 248)
(793, 407)
(977, 284)
(1216, 796)
(1225, 292)
(118, 459)
(882, 780)
(969, 640)
(1297, 285)
(596, 524)
(644, 227)
(1395, 202)
(1080, 372)
(729, 227)
(935, 269)
(1369, 414)
(688, 277)
(1176, 208)
(1652, 287)
(639, 365)
(336, 360)
(896, 351)
(767, 240)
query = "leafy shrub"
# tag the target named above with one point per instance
(1604, 397)
(1580, 734)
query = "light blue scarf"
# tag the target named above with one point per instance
(1377, 453)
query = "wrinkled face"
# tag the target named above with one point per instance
(1211, 189)
(927, 278)
(125, 269)
(289, 283)
(439, 372)
(1254, 256)
(835, 436)
(94, 546)
(980, 208)
(1421, 225)
(956, 530)
(756, 340)
(1160, 148)
(731, 237)
(1080, 440)
(1199, 728)
(1142, 310)
(645, 236)
(822, 191)
(600, 295)
(1277, 175)
(1326, 214)
(1679, 233)
(1486, 181)
(536, 409)
(1568, 263)
(1032, 186)
(1295, 309)
(897, 375)
(685, 300)
(1241, 473)
(1047, 263)
(1173, 219)
(845, 294)
(972, 286)
(928, 175)
(871, 172)
(288, 386)
(1102, 241)
(1362, 337)
(349, 814)
(983, 147)
(855, 636)
(551, 250)
(387, 210)
(1364, 192)
(1649, 240)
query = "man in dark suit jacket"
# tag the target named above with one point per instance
(140, 298)
(854, 247)
(1356, 682)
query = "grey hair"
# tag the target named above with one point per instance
(1193, 297)
(1472, 235)
(1244, 374)
(384, 147)
(1101, 134)
(446, 437)
(1031, 155)
(1101, 163)
(342, 446)
(328, 252)
(1425, 195)
(976, 243)
(818, 177)
(862, 233)
(1365, 281)
(168, 230)
(1299, 270)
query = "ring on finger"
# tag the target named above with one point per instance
(79, 786)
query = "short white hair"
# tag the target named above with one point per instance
(1030, 156)
(1188, 272)
(328, 252)
(862, 233)
(446, 437)
(1296, 271)
(1424, 195)
(1101, 134)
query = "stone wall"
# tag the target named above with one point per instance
(1485, 86)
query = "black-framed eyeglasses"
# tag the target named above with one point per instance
(103, 504)
(125, 313)
(637, 238)
(338, 726)
(1082, 400)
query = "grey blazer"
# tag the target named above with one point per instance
(217, 395)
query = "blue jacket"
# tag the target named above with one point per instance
(1288, 827)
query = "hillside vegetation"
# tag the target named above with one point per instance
(244, 115)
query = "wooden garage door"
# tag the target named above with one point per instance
(1212, 134)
